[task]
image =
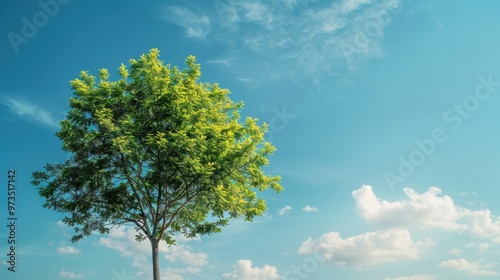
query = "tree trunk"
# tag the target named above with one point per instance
(156, 264)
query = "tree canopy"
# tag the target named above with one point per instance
(158, 149)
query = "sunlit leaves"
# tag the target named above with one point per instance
(157, 148)
(123, 72)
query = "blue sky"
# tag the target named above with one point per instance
(385, 115)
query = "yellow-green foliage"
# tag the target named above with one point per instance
(157, 148)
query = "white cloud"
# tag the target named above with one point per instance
(473, 268)
(285, 210)
(429, 210)
(310, 209)
(243, 270)
(416, 277)
(183, 253)
(117, 232)
(176, 273)
(481, 247)
(183, 239)
(483, 224)
(67, 250)
(365, 249)
(171, 274)
(196, 25)
(25, 109)
(116, 245)
(392, 240)
(67, 274)
(123, 240)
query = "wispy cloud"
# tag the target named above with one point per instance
(195, 25)
(222, 61)
(258, 13)
(301, 38)
(5, 119)
(26, 110)
(293, 40)
(352, 5)
(285, 210)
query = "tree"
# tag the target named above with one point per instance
(157, 149)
